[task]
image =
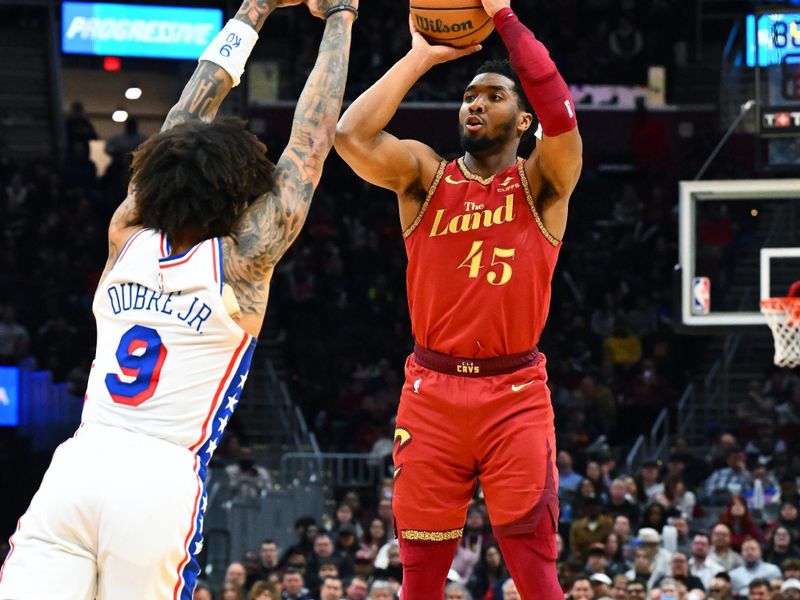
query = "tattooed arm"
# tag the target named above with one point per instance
(269, 226)
(210, 83)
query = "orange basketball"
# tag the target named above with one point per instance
(452, 22)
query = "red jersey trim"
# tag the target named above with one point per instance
(473, 176)
(434, 186)
(526, 186)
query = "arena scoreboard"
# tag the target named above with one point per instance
(773, 39)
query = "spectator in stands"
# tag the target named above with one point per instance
(331, 589)
(741, 525)
(596, 561)
(701, 565)
(650, 542)
(679, 571)
(753, 568)
(202, 591)
(236, 574)
(720, 587)
(791, 568)
(393, 570)
(781, 546)
(592, 528)
(581, 589)
(620, 503)
(14, 338)
(456, 591)
(119, 147)
(636, 590)
(758, 589)
(476, 534)
(679, 496)
(347, 542)
(510, 591)
(293, 586)
(374, 537)
(732, 479)
(601, 586)
(618, 591)
(648, 485)
(231, 591)
(654, 516)
(345, 516)
(790, 519)
(80, 130)
(357, 589)
(263, 590)
(268, 558)
(489, 570)
(790, 589)
(622, 527)
(721, 552)
(788, 482)
(381, 590)
(324, 550)
(305, 529)
(247, 478)
(568, 480)
(615, 558)
(622, 348)
(642, 568)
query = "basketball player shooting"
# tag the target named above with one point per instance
(482, 236)
(119, 513)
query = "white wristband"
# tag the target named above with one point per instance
(231, 48)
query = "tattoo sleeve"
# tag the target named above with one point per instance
(210, 83)
(270, 225)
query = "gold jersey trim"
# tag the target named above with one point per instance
(529, 197)
(434, 186)
(416, 535)
(473, 176)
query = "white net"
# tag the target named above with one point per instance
(783, 317)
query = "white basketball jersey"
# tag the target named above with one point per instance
(170, 362)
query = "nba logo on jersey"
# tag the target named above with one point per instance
(701, 296)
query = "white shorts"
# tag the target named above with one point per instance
(118, 516)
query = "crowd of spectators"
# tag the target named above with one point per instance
(724, 526)
(592, 41)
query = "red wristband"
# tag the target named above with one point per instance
(542, 83)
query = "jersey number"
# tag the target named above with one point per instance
(140, 355)
(474, 262)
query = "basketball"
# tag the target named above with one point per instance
(456, 23)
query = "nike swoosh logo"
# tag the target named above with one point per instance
(449, 179)
(517, 388)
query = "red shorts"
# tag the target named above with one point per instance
(453, 430)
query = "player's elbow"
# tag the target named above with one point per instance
(345, 138)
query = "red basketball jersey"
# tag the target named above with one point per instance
(480, 264)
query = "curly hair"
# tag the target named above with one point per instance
(197, 177)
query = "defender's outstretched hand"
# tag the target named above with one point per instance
(437, 54)
(492, 6)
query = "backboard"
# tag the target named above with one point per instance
(739, 242)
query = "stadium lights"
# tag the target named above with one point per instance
(133, 93)
(119, 116)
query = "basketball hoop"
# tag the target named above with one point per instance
(783, 317)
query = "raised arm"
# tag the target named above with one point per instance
(375, 155)
(200, 99)
(555, 165)
(269, 226)
(210, 83)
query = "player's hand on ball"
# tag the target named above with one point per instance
(492, 6)
(318, 8)
(434, 53)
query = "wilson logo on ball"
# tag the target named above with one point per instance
(438, 26)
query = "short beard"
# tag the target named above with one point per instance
(477, 145)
